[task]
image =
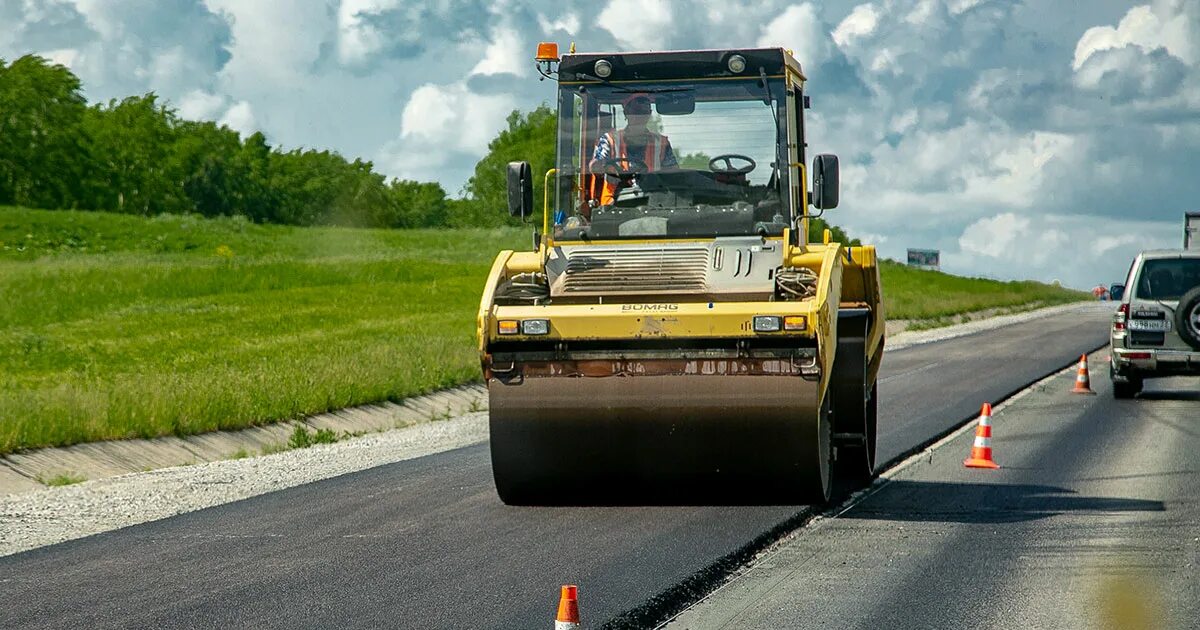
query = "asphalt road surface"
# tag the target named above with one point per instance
(425, 543)
(1092, 522)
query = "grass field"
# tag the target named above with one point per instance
(115, 326)
(934, 297)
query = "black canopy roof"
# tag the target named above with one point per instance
(683, 64)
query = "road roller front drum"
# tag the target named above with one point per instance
(660, 439)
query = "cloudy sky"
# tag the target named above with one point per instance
(1049, 139)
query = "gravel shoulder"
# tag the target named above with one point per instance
(25, 471)
(53, 515)
(38, 517)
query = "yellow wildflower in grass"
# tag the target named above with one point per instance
(223, 251)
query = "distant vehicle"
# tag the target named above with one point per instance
(1116, 291)
(1156, 329)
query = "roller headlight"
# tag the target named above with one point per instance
(737, 64)
(767, 323)
(535, 327)
(603, 69)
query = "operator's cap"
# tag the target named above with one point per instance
(637, 100)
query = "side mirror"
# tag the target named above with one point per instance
(1116, 292)
(825, 181)
(520, 189)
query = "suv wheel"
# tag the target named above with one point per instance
(1187, 318)
(1128, 388)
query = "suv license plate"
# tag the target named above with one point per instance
(1150, 325)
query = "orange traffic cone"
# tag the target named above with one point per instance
(568, 608)
(1083, 383)
(981, 451)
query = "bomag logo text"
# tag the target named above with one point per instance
(656, 308)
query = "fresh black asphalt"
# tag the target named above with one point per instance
(1091, 522)
(426, 544)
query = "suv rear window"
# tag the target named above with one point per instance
(1168, 278)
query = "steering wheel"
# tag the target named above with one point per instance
(623, 166)
(729, 169)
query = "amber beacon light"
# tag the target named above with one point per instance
(547, 51)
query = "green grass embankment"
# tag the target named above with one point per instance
(932, 298)
(114, 326)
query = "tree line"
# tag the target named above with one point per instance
(137, 156)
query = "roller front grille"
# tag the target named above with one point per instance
(597, 270)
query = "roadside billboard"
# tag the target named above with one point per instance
(925, 258)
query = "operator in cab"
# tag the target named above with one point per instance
(636, 148)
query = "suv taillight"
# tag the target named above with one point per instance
(1121, 317)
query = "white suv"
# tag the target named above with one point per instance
(1156, 330)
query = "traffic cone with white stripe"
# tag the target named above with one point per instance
(981, 451)
(568, 608)
(1083, 383)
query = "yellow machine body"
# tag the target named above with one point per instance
(679, 395)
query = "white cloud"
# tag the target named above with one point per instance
(428, 114)
(959, 171)
(1149, 61)
(1078, 251)
(63, 56)
(961, 6)
(108, 26)
(1130, 74)
(119, 48)
(48, 25)
(638, 24)
(201, 105)
(922, 12)
(441, 123)
(799, 29)
(505, 54)
(1015, 173)
(1102, 245)
(997, 235)
(277, 42)
(240, 118)
(1147, 27)
(451, 116)
(358, 37)
(568, 22)
(860, 23)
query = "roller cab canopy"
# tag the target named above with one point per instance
(675, 65)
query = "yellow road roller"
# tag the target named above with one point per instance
(675, 337)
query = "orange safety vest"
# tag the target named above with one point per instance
(656, 148)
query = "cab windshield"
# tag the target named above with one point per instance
(671, 159)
